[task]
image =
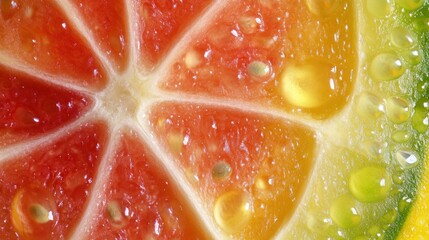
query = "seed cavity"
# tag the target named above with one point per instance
(386, 66)
(344, 212)
(370, 184)
(233, 210)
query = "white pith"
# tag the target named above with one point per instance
(135, 91)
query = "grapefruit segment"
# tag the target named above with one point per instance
(160, 23)
(140, 201)
(30, 107)
(249, 170)
(107, 21)
(273, 52)
(43, 193)
(37, 33)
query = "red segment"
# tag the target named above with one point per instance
(29, 107)
(160, 24)
(141, 202)
(242, 53)
(43, 194)
(108, 22)
(37, 32)
(269, 159)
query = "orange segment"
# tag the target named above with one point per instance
(29, 107)
(107, 21)
(43, 194)
(249, 170)
(160, 23)
(273, 52)
(37, 33)
(140, 200)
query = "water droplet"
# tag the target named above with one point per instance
(258, 69)
(420, 118)
(249, 25)
(8, 8)
(410, 4)
(386, 66)
(233, 210)
(308, 84)
(390, 216)
(370, 184)
(404, 203)
(397, 109)
(175, 141)
(33, 212)
(413, 56)
(398, 178)
(322, 7)
(25, 117)
(221, 171)
(406, 158)
(375, 231)
(118, 214)
(192, 59)
(317, 223)
(344, 212)
(421, 24)
(374, 149)
(401, 38)
(369, 106)
(379, 8)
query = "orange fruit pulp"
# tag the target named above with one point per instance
(166, 119)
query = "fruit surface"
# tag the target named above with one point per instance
(200, 119)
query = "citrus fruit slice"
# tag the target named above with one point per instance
(254, 119)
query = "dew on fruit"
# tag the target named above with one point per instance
(344, 212)
(308, 84)
(249, 25)
(379, 8)
(412, 57)
(397, 109)
(386, 66)
(421, 24)
(221, 171)
(33, 212)
(192, 59)
(370, 184)
(397, 178)
(8, 8)
(322, 7)
(390, 216)
(406, 158)
(369, 106)
(258, 69)
(410, 4)
(404, 203)
(24, 117)
(233, 210)
(401, 38)
(317, 223)
(375, 231)
(420, 118)
(118, 215)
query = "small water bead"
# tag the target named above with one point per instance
(322, 7)
(370, 184)
(308, 84)
(375, 231)
(192, 59)
(316, 223)
(397, 109)
(407, 158)
(410, 4)
(397, 178)
(386, 66)
(401, 38)
(118, 215)
(369, 106)
(221, 171)
(404, 203)
(233, 210)
(258, 69)
(344, 212)
(422, 86)
(379, 8)
(389, 217)
(33, 212)
(421, 24)
(412, 57)
(420, 118)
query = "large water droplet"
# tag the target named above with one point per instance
(33, 213)
(386, 66)
(379, 8)
(401, 136)
(369, 106)
(370, 184)
(233, 210)
(397, 109)
(344, 212)
(308, 84)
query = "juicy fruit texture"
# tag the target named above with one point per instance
(212, 119)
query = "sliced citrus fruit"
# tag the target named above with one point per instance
(254, 119)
